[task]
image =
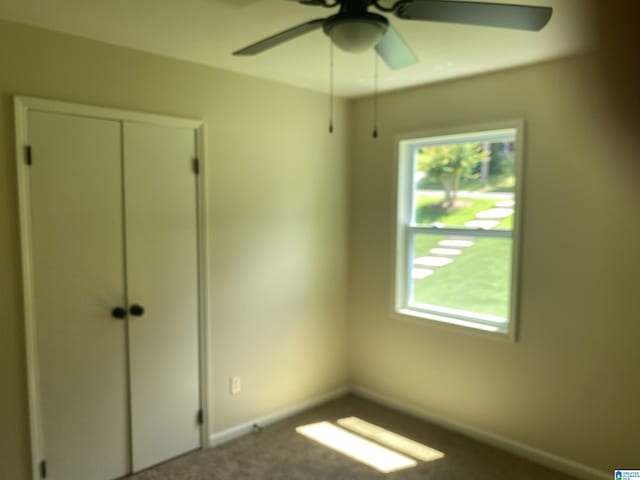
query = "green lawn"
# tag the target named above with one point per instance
(479, 279)
(427, 212)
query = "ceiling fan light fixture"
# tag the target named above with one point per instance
(356, 34)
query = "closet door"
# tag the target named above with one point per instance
(78, 274)
(162, 279)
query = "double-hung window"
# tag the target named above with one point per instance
(457, 218)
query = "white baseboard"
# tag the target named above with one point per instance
(542, 457)
(237, 431)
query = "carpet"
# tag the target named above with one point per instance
(278, 452)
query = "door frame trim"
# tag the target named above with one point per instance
(22, 106)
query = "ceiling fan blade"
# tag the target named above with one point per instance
(395, 52)
(281, 37)
(520, 17)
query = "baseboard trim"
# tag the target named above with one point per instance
(536, 455)
(224, 436)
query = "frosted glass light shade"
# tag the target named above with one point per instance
(356, 34)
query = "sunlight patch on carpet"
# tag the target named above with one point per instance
(391, 439)
(356, 447)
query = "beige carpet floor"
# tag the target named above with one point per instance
(279, 453)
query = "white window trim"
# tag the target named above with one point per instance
(403, 183)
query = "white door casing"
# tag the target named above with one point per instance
(73, 235)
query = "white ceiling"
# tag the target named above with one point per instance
(207, 31)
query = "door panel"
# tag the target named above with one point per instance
(162, 276)
(78, 275)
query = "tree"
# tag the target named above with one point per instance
(449, 164)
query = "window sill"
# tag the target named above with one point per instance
(453, 324)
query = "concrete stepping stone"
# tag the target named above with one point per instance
(420, 273)
(506, 204)
(495, 214)
(484, 224)
(447, 252)
(432, 261)
(455, 243)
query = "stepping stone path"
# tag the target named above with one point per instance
(420, 273)
(447, 250)
(495, 213)
(432, 261)
(454, 252)
(456, 243)
(484, 224)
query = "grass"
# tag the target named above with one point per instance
(428, 212)
(479, 279)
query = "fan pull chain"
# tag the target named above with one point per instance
(330, 86)
(375, 94)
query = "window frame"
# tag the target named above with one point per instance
(405, 229)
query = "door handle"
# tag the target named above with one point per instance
(118, 312)
(136, 310)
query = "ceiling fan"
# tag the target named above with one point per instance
(354, 28)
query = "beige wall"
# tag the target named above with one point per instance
(571, 384)
(277, 218)
(278, 215)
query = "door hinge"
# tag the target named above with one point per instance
(200, 417)
(43, 469)
(196, 166)
(27, 153)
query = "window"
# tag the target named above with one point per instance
(456, 239)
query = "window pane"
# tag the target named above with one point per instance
(467, 274)
(465, 184)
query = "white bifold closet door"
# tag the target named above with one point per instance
(78, 272)
(162, 277)
(113, 215)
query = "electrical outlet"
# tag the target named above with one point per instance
(235, 385)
